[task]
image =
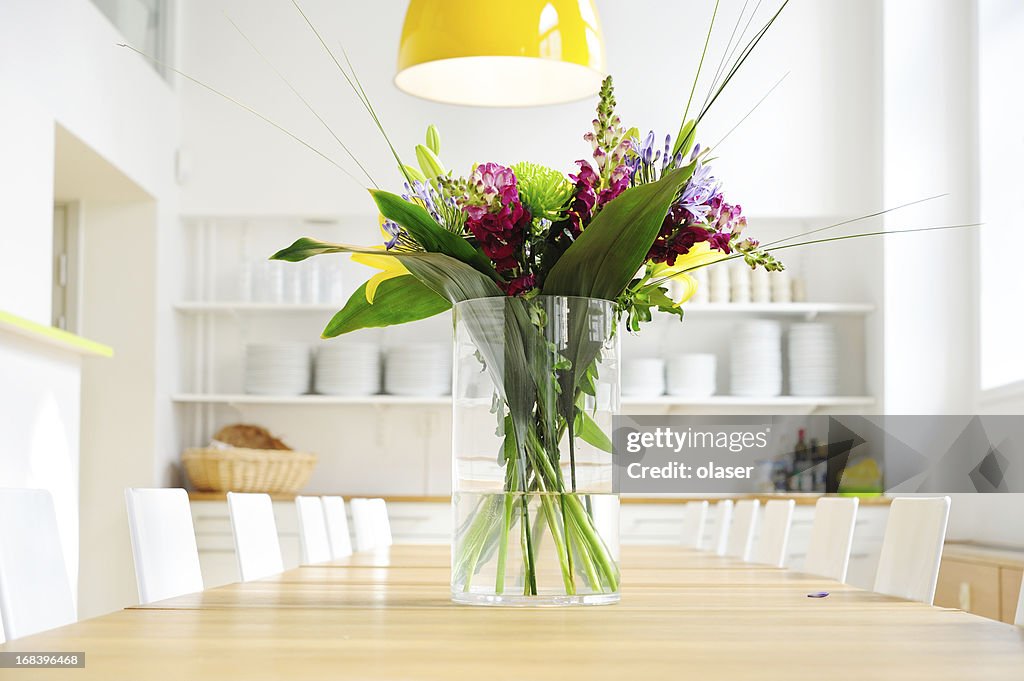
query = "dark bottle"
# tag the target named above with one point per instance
(800, 463)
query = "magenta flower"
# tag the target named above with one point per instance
(495, 216)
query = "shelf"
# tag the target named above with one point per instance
(695, 309)
(723, 401)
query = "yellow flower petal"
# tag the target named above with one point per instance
(389, 266)
(700, 255)
(688, 285)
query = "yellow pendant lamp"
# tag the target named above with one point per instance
(501, 53)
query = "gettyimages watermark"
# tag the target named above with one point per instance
(823, 454)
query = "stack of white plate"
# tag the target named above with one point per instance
(347, 369)
(692, 375)
(418, 369)
(643, 377)
(756, 359)
(813, 362)
(277, 368)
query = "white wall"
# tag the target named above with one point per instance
(60, 66)
(241, 166)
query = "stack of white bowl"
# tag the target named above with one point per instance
(692, 375)
(760, 286)
(643, 377)
(756, 359)
(813, 362)
(418, 370)
(277, 368)
(740, 282)
(347, 369)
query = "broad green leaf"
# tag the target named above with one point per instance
(607, 255)
(397, 301)
(428, 233)
(591, 433)
(448, 277)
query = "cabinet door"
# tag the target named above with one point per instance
(968, 586)
(1009, 592)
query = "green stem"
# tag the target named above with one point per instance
(506, 525)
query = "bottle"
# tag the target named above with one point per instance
(800, 463)
(807, 482)
(820, 468)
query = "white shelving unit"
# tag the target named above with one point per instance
(408, 436)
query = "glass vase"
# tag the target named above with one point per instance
(536, 383)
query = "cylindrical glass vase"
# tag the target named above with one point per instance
(535, 387)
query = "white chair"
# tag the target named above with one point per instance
(257, 547)
(34, 591)
(337, 527)
(313, 542)
(723, 520)
(373, 529)
(828, 553)
(741, 533)
(774, 538)
(908, 566)
(693, 524)
(163, 543)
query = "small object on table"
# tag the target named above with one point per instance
(818, 594)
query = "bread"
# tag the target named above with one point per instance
(249, 437)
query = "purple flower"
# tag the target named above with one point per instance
(393, 231)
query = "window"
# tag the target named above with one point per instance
(1001, 183)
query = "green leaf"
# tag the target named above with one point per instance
(591, 433)
(397, 301)
(685, 139)
(607, 255)
(449, 277)
(428, 233)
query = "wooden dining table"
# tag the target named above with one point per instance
(387, 615)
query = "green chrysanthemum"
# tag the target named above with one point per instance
(544, 191)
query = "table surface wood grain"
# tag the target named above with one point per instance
(684, 614)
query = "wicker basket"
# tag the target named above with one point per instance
(247, 470)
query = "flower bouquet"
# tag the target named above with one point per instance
(541, 269)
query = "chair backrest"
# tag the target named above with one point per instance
(34, 591)
(693, 524)
(163, 543)
(828, 553)
(337, 527)
(723, 520)
(257, 546)
(908, 565)
(774, 538)
(373, 529)
(313, 542)
(741, 533)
